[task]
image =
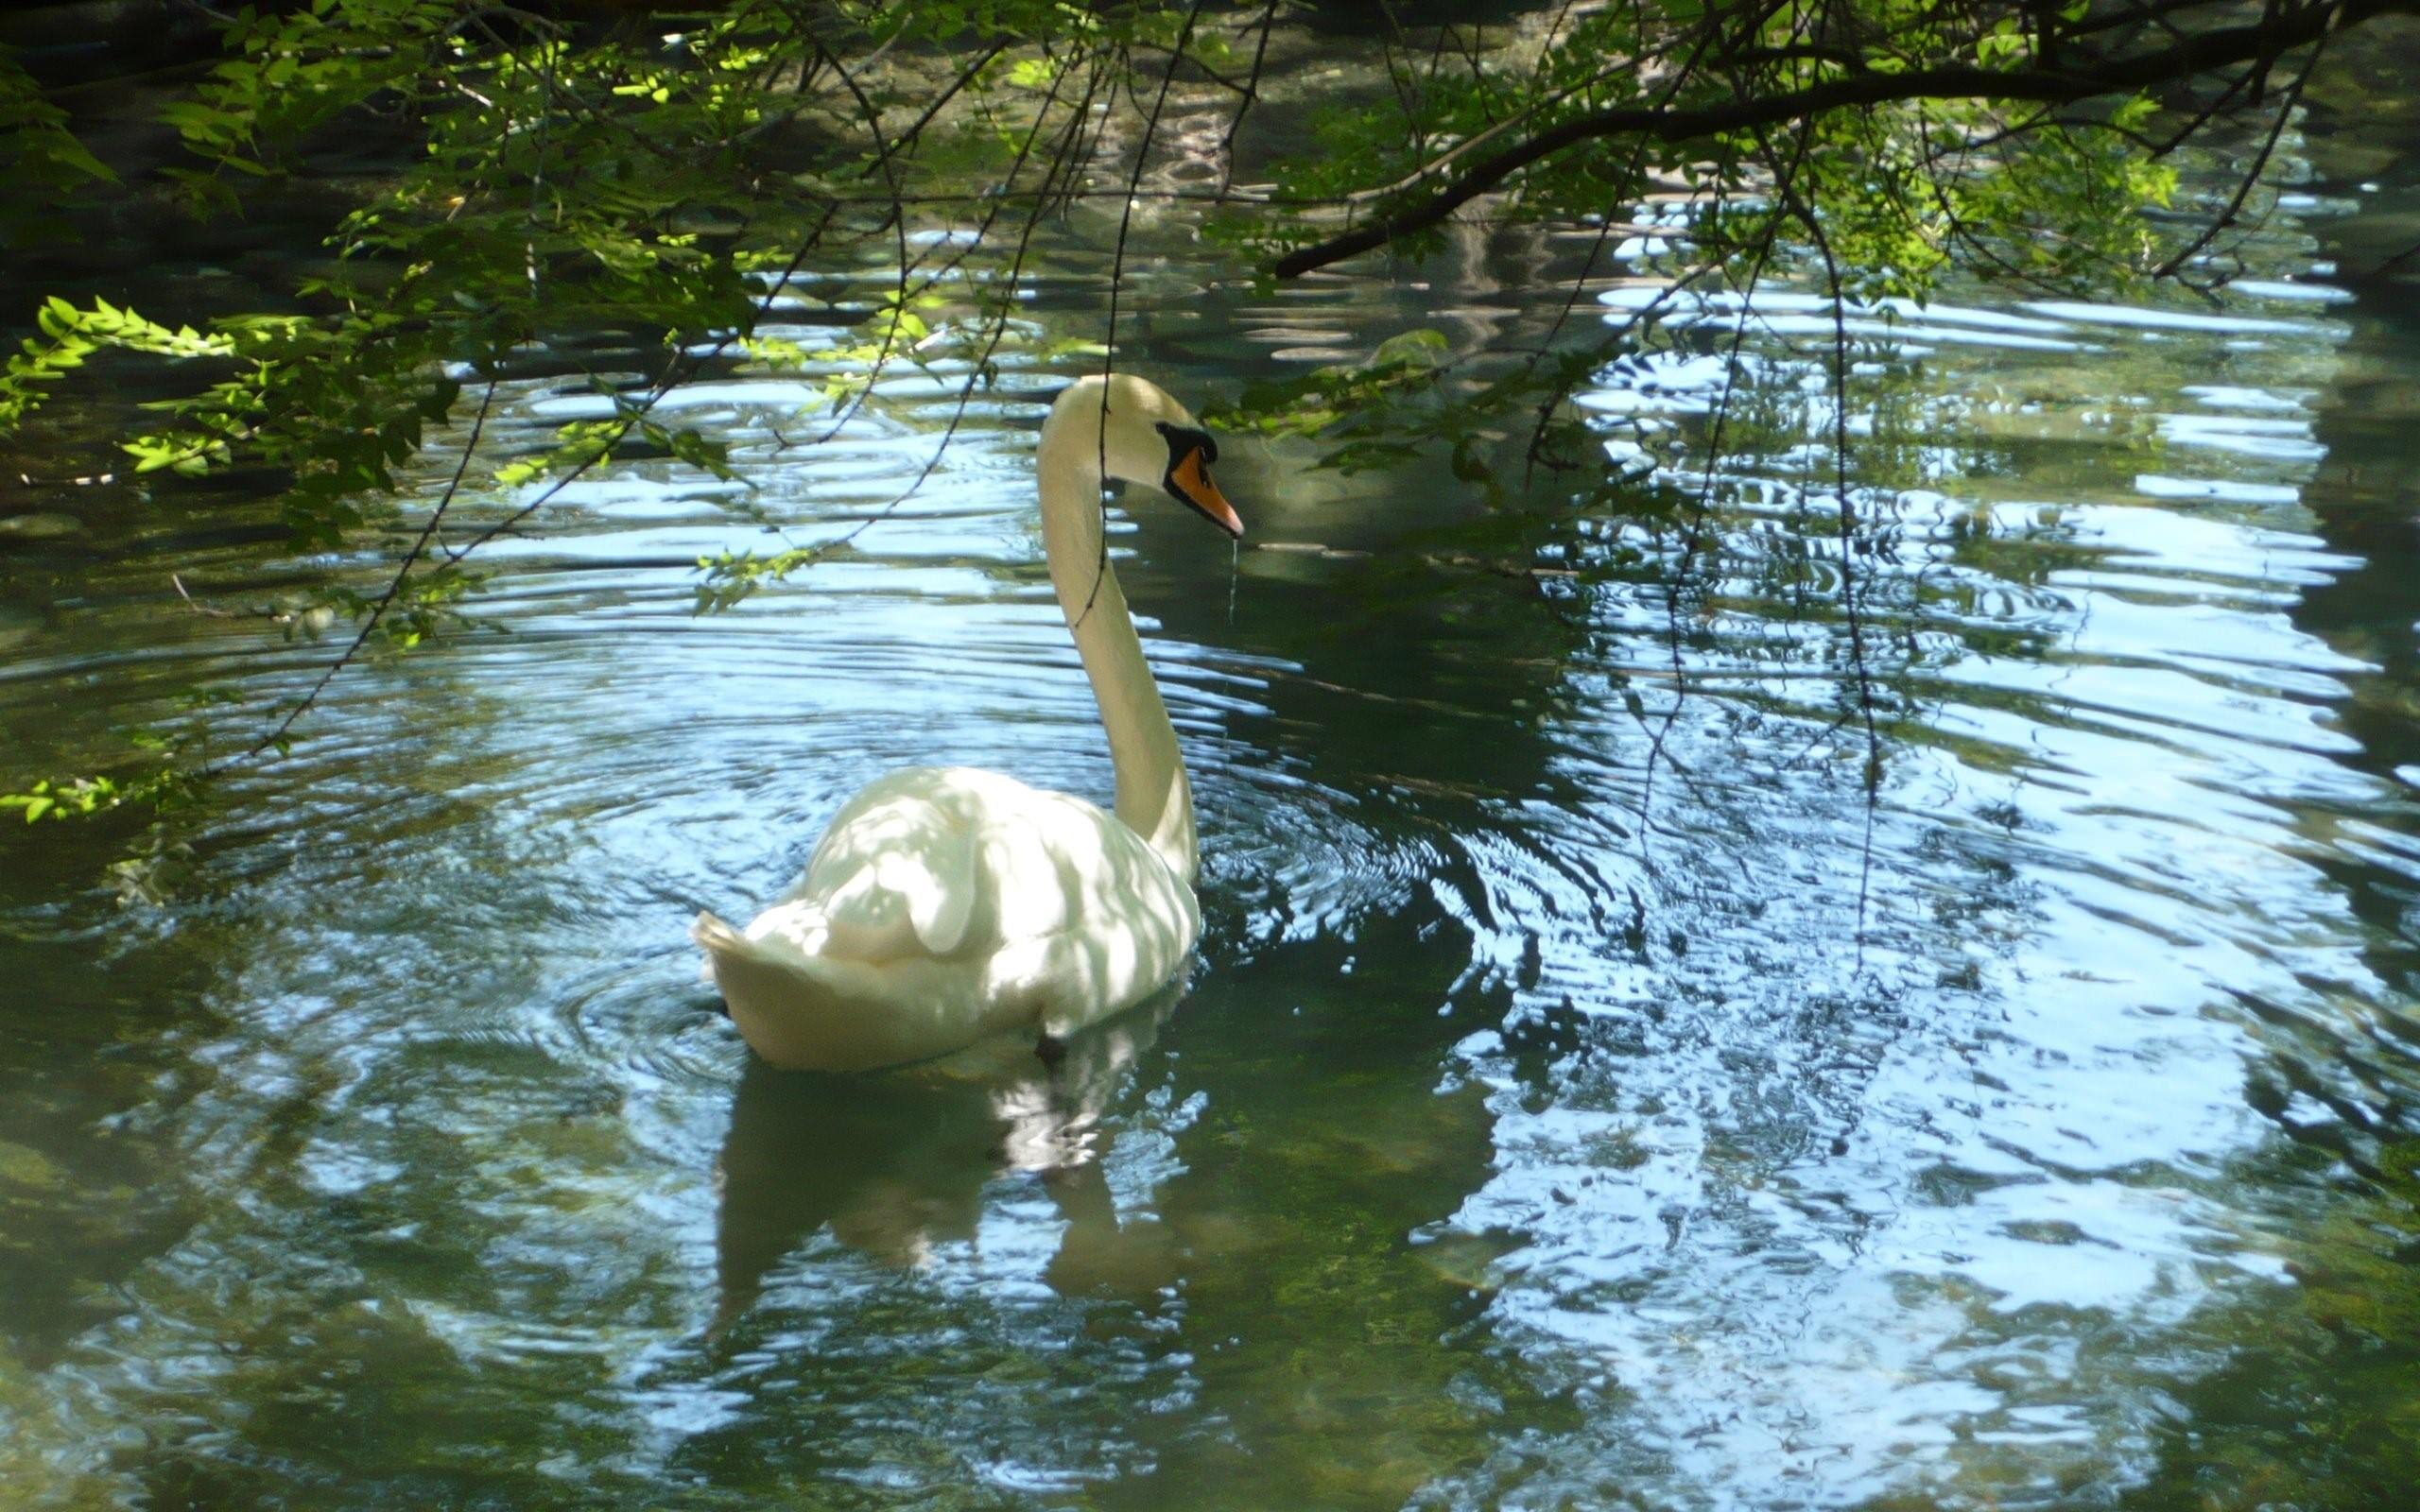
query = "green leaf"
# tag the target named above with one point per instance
(1426, 348)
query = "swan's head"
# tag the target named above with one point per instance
(1146, 438)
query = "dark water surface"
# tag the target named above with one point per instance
(1584, 1098)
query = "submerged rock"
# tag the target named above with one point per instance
(49, 525)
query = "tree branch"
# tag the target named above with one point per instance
(2284, 31)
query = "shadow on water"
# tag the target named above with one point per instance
(896, 1167)
(2307, 1395)
(1583, 1097)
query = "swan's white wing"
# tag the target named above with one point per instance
(945, 904)
(900, 871)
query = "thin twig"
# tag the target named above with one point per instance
(385, 601)
(1117, 278)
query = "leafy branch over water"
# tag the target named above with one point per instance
(667, 178)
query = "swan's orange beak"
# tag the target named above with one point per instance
(1189, 480)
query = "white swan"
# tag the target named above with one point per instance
(947, 904)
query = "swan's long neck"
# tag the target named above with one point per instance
(1153, 798)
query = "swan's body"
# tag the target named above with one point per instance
(947, 904)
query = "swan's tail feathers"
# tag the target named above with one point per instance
(719, 941)
(805, 1012)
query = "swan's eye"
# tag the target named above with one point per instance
(1183, 440)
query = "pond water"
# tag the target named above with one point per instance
(1585, 1096)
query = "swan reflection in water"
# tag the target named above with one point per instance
(895, 1164)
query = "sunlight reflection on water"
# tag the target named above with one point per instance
(1582, 1094)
